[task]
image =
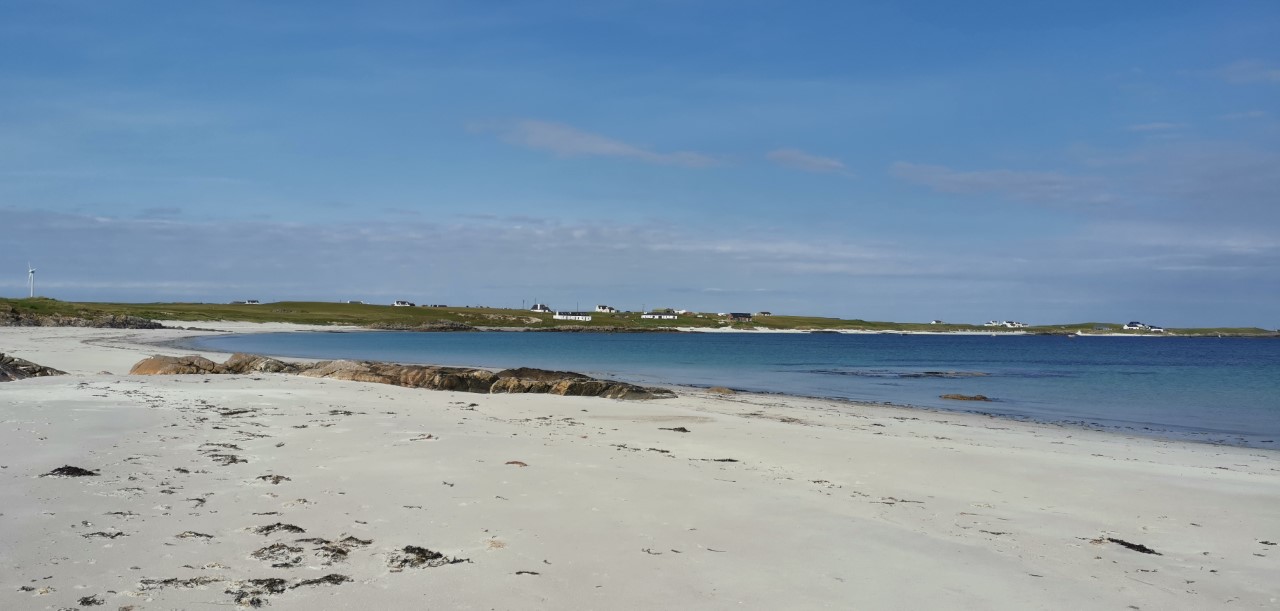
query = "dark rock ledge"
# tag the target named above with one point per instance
(522, 380)
(13, 368)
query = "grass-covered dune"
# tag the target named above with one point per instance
(370, 315)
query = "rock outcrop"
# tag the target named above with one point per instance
(966, 397)
(13, 368)
(10, 317)
(521, 380)
(439, 326)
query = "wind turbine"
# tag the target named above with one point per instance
(31, 280)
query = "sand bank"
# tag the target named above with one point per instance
(704, 501)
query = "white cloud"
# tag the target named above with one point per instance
(569, 141)
(797, 159)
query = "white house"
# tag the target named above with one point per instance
(1136, 326)
(400, 303)
(606, 309)
(1155, 329)
(584, 316)
(252, 302)
(540, 307)
(1014, 324)
(993, 323)
(937, 322)
(659, 315)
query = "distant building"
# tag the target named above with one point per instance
(1136, 326)
(1013, 324)
(540, 307)
(659, 315)
(739, 317)
(764, 313)
(355, 301)
(583, 316)
(937, 322)
(1155, 329)
(606, 309)
(993, 323)
(400, 303)
(252, 302)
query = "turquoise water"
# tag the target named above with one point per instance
(1221, 390)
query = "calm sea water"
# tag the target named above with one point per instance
(1221, 390)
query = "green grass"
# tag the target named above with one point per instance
(322, 313)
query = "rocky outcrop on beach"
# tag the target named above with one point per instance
(609, 329)
(438, 326)
(520, 380)
(13, 368)
(11, 317)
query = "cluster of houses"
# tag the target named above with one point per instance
(1142, 326)
(663, 314)
(1012, 324)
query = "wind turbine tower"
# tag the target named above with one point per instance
(31, 280)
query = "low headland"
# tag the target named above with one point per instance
(50, 312)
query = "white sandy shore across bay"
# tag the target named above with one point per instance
(767, 502)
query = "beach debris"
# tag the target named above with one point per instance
(174, 582)
(191, 534)
(721, 390)
(332, 579)
(413, 556)
(90, 601)
(249, 592)
(235, 412)
(1267, 542)
(70, 471)
(955, 397)
(341, 412)
(226, 459)
(678, 429)
(277, 527)
(280, 555)
(527, 573)
(517, 463)
(274, 479)
(104, 535)
(1137, 547)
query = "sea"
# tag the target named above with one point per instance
(1207, 389)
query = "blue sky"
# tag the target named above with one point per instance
(878, 160)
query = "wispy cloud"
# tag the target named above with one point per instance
(1155, 127)
(568, 141)
(1249, 71)
(1035, 187)
(1245, 115)
(797, 159)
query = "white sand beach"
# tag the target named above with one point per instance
(300, 493)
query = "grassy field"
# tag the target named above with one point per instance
(322, 313)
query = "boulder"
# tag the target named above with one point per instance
(159, 365)
(954, 397)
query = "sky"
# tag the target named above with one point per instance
(906, 161)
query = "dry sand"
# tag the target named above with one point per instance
(550, 502)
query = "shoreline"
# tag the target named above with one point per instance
(1140, 429)
(703, 501)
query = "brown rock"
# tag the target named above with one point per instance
(966, 397)
(175, 365)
